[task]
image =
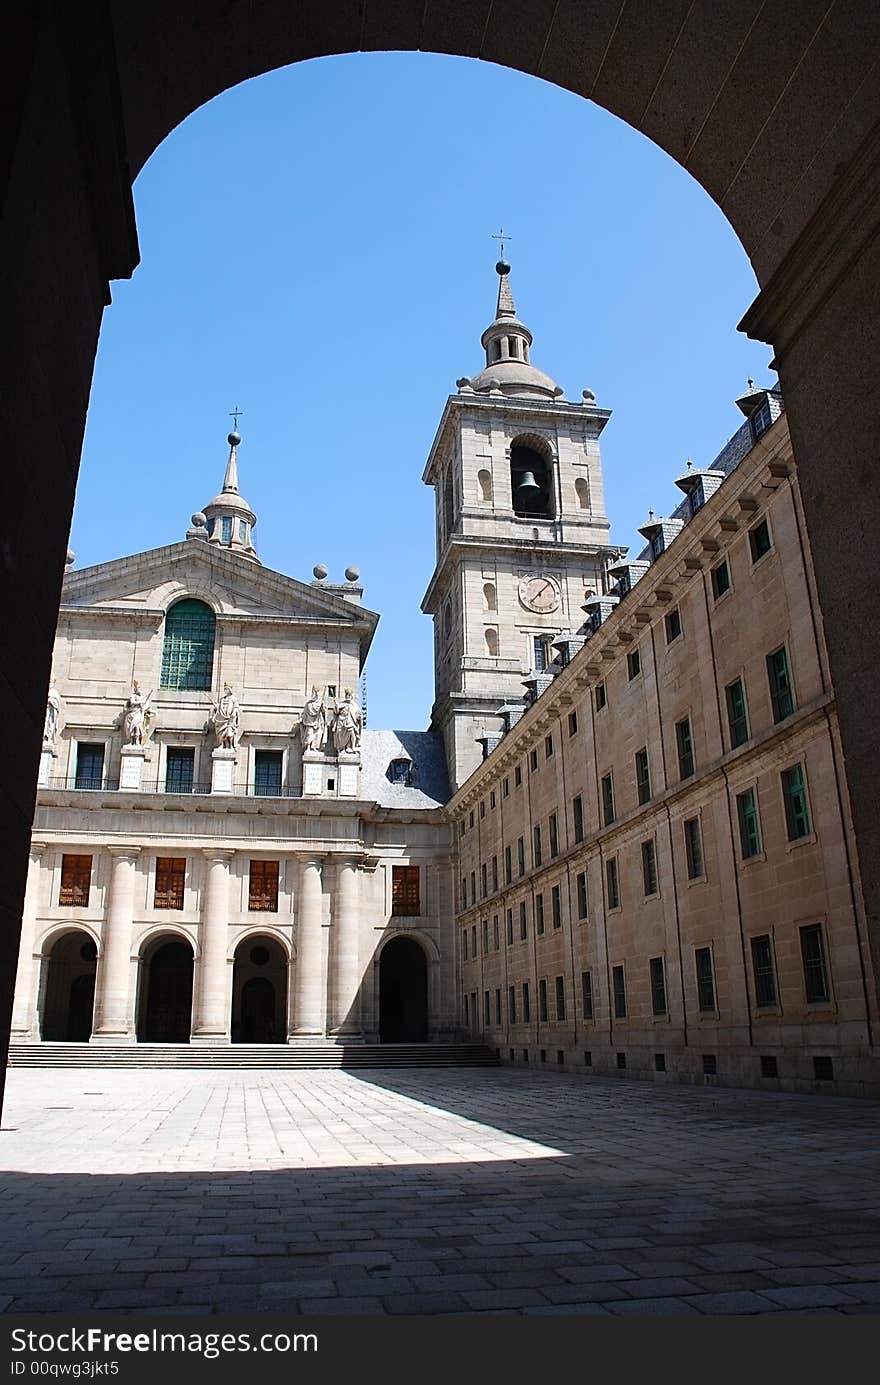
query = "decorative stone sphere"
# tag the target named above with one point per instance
(234, 439)
(320, 570)
(70, 559)
(352, 574)
(199, 519)
(502, 267)
(494, 383)
(589, 396)
(558, 390)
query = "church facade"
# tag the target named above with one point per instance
(622, 848)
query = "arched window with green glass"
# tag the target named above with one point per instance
(188, 650)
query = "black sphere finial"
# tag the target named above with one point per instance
(234, 439)
(502, 267)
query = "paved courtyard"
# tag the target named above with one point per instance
(440, 1191)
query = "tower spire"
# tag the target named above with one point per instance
(229, 519)
(230, 480)
(507, 343)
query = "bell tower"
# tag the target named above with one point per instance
(521, 532)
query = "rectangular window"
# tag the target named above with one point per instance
(263, 887)
(539, 914)
(492, 800)
(487, 1009)
(737, 718)
(619, 986)
(577, 812)
(685, 745)
(517, 775)
(556, 906)
(533, 760)
(658, 986)
(548, 747)
(89, 766)
(572, 723)
(267, 773)
(794, 794)
(521, 855)
(582, 897)
(673, 624)
(485, 932)
(762, 967)
(560, 999)
(494, 874)
(497, 1004)
(601, 697)
(508, 926)
(464, 945)
(693, 848)
(554, 836)
(511, 1004)
(482, 807)
(537, 850)
(508, 865)
(76, 879)
(405, 891)
(505, 786)
(473, 940)
(649, 866)
(781, 693)
(496, 940)
(749, 827)
(180, 764)
(633, 664)
(523, 922)
(170, 875)
(587, 994)
(527, 1005)
(759, 540)
(612, 882)
(705, 978)
(226, 529)
(484, 880)
(720, 579)
(542, 1000)
(607, 799)
(542, 652)
(643, 775)
(466, 1015)
(815, 970)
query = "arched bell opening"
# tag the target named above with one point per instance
(531, 485)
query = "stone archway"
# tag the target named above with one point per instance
(68, 993)
(165, 991)
(403, 992)
(774, 108)
(259, 991)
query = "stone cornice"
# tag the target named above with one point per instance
(510, 406)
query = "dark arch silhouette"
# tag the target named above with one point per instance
(403, 993)
(259, 991)
(773, 108)
(69, 992)
(165, 1009)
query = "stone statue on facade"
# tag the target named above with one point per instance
(313, 723)
(53, 717)
(226, 719)
(347, 724)
(137, 717)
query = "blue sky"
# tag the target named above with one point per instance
(316, 250)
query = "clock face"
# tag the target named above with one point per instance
(539, 593)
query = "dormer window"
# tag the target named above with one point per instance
(624, 584)
(696, 498)
(657, 544)
(761, 419)
(402, 771)
(542, 652)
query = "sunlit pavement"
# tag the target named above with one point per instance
(439, 1191)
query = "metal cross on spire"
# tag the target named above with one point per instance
(235, 415)
(501, 235)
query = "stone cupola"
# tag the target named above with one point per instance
(507, 343)
(229, 519)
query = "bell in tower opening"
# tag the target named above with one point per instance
(530, 483)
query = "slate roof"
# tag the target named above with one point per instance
(424, 749)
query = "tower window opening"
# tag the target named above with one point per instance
(582, 491)
(530, 483)
(489, 596)
(484, 481)
(492, 643)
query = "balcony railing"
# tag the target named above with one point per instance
(160, 786)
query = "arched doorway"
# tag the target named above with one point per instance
(403, 993)
(69, 995)
(165, 1009)
(259, 992)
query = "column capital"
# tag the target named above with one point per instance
(125, 852)
(312, 858)
(37, 848)
(217, 854)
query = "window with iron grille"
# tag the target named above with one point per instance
(170, 880)
(693, 848)
(658, 986)
(263, 887)
(607, 799)
(526, 1003)
(764, 972)
(542, 999)
(643, 775)
(539, 914)
(705, 978)
(749, 827)
(180, 763)
(649, 866)
(560, 999)
(577, 812)
(405, 891)
(556, 906)
(587, 994)
(76, 878)
(267, 773)
(582, 897)
(815, 969)
(618, 980)
(794, 794)
(188, 646)
(737, 717)
(685, 744)
(89, 765)
(554, 836)
(781, 692)
(612, 882)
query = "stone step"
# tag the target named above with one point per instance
(258, 1056)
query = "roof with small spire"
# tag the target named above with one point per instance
(507, 343)
(229, 505)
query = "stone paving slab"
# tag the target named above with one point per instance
(439, 1191)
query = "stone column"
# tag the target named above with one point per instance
(308, 988)
(211, 1011)
(24, 1017)
(345, 974)
(113, 1008)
